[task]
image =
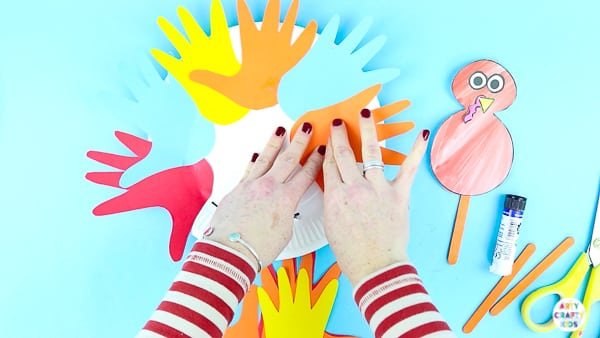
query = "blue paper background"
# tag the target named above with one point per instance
(66, 273)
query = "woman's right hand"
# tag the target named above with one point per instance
(366, 216)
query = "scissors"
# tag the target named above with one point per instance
(567, 287)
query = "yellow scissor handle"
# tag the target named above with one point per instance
(565, 288)
(592, 295)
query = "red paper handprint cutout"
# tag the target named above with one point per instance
(182, 191)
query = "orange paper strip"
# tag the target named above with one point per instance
(498, 289)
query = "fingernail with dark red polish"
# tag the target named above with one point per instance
(366, 113)
(426, 134)
(254, 157)
(336, 122)
(280, 131)
(306, 127)
(321, 149)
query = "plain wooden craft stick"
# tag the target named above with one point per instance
(532, 275)
(498, 289)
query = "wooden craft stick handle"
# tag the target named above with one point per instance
(459, 226)
(532, 275)
(498, 289)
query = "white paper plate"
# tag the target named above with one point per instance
(308, 234)
(234, 145)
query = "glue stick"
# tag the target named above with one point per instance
(506, 242)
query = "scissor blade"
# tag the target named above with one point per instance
(593, 251)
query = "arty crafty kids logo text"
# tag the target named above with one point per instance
(568, 314)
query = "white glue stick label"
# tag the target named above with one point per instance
(506, 242)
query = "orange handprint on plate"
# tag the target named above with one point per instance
(348, 111)
(267, 54)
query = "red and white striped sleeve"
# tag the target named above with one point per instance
(202, 300)
(395, 304)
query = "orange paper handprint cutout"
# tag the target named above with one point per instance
(348, 111)
(249, 325)
(267, 54)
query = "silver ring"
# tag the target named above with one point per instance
(372, 164)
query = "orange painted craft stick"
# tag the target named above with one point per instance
(459, 226)
(532, 275)
(498, 289)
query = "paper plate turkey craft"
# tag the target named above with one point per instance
(191, 132)
(472, 152)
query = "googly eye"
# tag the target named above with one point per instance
(495, 83)
(477, 80)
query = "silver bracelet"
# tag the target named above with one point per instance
(236, 237)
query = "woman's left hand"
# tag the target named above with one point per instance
(261, 207)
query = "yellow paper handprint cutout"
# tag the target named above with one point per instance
(253, 324)
(306, 299)
(296, 317)
(198, 51)
(307, 262)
